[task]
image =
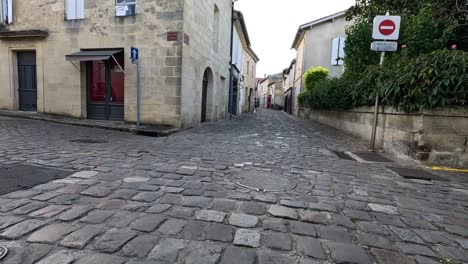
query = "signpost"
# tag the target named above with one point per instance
(134, 56)
(385, 28)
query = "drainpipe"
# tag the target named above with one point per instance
(230, 61)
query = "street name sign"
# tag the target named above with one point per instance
(387, 46)
(386, 28)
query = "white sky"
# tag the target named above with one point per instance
(272, 26)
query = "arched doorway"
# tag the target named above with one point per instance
(207, 94)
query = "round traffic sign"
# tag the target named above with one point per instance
(387, 27)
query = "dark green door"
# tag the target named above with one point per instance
(27, 80)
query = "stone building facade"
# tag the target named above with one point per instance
(75, 54)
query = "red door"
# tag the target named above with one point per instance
(269, 102)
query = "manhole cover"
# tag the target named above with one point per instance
(416, 174)
(263, 181)
(21, 177)
(342, 155)
(371, 156)
(88, 141)
(3, 252)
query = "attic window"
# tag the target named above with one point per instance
(125, 8)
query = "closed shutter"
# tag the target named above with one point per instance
(70, 6)
(79, 9)
(2, 11)
(10, 12)
(341, 53)
(335, 51)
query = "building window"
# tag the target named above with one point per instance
(125, 8)
(337, 52)
(216, 28)
(248, 67)
(6, 11)
(74, 9)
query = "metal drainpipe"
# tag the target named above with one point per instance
(230, 62)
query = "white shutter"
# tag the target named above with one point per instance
(79, 9)
(10, 11)
(2, 13)
(341, 53)
(335, 51)
(70, 6)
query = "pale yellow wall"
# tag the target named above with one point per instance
(249, 78)
(199, 55)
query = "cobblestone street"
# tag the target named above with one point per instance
(264, 188)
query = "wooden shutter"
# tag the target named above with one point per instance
(335, 51)
(79, 9)
(71, 9)
(341, 53)
(9, 12)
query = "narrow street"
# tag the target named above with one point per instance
(263, 188)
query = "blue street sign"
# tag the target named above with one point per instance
(134, 53)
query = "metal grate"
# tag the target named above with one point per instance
(416, 174)
(372, 157)
(21, 177)
(342, 155)
(88, 141)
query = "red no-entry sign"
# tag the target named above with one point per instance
(386, 27)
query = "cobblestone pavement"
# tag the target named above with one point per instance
(140, 200)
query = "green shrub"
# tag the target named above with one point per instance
(301, 98)
(330, 94)
(314, 75)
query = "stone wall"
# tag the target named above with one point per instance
(437, 137)
(199, 55)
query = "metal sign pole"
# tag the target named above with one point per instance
(376, 110)
(138, 93)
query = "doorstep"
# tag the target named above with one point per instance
(152, 131)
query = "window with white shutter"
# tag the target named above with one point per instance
(337, 52)
(74, 9)
(6, 11)
(125, 7)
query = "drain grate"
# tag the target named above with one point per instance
(88, 141)
(342, 155)
(372, 157)
(21, 177)
(416, 174)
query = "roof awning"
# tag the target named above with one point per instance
(93, 55)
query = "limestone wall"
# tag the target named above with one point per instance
(433, 137)
(200, 54)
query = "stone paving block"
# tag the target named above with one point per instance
(452, 252)
(406, 235)
(357, 215)
(265, 257)
(301, 228)
(220, 232)
(237, 255)
(224, 205)
(275, 224)
(81, 237)
(457, 230)
(46, 196)
(210, 216)
(370, 227)
(124, 194)
(49, 211)
(200, 202)
(122, 219)
(72, 189)
(29, 254)
(323, 207)
(293, 204)
(140, 246)
(333, 233)
(21, 194)
(136, 179)
(275, 240)
(62, 257)
(194, 230)
(74, 212)
(9, 205)
(101, 259)
(171, 198)
(52, 233)
(310, 247)
(253, 208)
(248, 238)
(344, 221)
(22, 228)
(167, 250)
(97, 191)
(374, 241)
(97, 216)
(347, 253)
(147, 196)
(203, 253)
(382, 208)
(389, 257)
(112, 240)
(85, 174)
(148, 223)
(283, 212)
(316, 217)
(7, 221)
(386, 219)
(158, 208)
(28, 208)
(242, 220)
(172, 227)
(265, 198)
(415, 249)
(111, 204)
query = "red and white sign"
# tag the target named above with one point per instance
(386, 27)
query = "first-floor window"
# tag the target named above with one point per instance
(125, 7)
(337, 52)
(74, 9)
(6, 11)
